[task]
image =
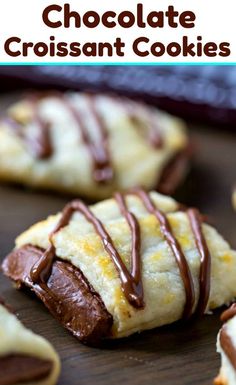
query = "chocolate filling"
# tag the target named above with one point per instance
(19, 368)
(67, 294)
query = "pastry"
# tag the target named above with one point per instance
(25, 358)
(126, 264)
(90, 145)
(226, 346)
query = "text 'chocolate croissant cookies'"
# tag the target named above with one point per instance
(91, 145)
(226, 346)
(25, 358)
(130, 263)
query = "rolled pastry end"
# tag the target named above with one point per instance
(226, 346)
(25, 358)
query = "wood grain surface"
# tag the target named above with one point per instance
(181, 354)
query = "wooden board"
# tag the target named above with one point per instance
(180, 354)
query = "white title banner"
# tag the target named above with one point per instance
(148, 31)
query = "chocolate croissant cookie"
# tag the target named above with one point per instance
(226, 346)
(91, 145)
(25, 358)
(130, 263)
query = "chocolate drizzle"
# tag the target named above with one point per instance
(131, 288)
(131, 282)
(154, 136)
(102, 168)
(41, 146)
(40, 143)
(136, 275)
(176, 249)
(205, 259)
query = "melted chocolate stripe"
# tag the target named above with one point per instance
(133, 223)
(103, 171)
(41, 271)
(40, 144)
(228, 346)
(154, 136)
(205, 259)
(176, 249)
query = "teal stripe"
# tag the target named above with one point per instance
(117, 64)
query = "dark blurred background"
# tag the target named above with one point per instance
(197, 93)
